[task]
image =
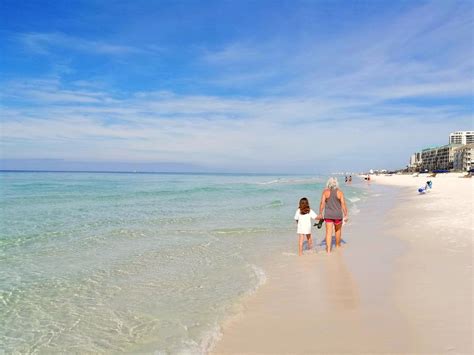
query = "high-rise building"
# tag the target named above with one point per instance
(461, 137)
(415, 160)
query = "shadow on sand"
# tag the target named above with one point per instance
(333, 242)
(341, 288)
(323, 243)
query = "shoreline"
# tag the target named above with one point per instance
(309, 301)
(358, 299)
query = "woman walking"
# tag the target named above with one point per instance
(333, 207)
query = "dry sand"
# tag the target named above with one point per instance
(433, 286)
(402, 283)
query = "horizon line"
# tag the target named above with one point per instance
(148, 172)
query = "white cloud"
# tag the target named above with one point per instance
(271, 132)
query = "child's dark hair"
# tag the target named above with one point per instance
(304, 206)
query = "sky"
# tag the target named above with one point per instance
(231, 86)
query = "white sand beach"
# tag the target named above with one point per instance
(401, 283)
(433, 286)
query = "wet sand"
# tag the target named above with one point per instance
(384, 291)
(321, 303)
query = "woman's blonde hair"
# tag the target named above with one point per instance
(332, 183)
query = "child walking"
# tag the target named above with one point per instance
(303, 217)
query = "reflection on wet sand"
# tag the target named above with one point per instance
(341, 290)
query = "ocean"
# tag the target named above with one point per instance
(109, 262)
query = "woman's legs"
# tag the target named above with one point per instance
(338, 229)
(328, 236)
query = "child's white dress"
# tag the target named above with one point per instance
(304, 221)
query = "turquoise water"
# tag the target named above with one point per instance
(94, 262)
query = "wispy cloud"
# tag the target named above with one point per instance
(236, 52)
(423, 52)
(45, 43)
(46, 92)
(229, 133)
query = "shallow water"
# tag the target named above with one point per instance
(123, 262)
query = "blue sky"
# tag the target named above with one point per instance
(249, 86)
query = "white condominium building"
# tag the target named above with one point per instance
(438, 158)
(461, 137)
(464, 158)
